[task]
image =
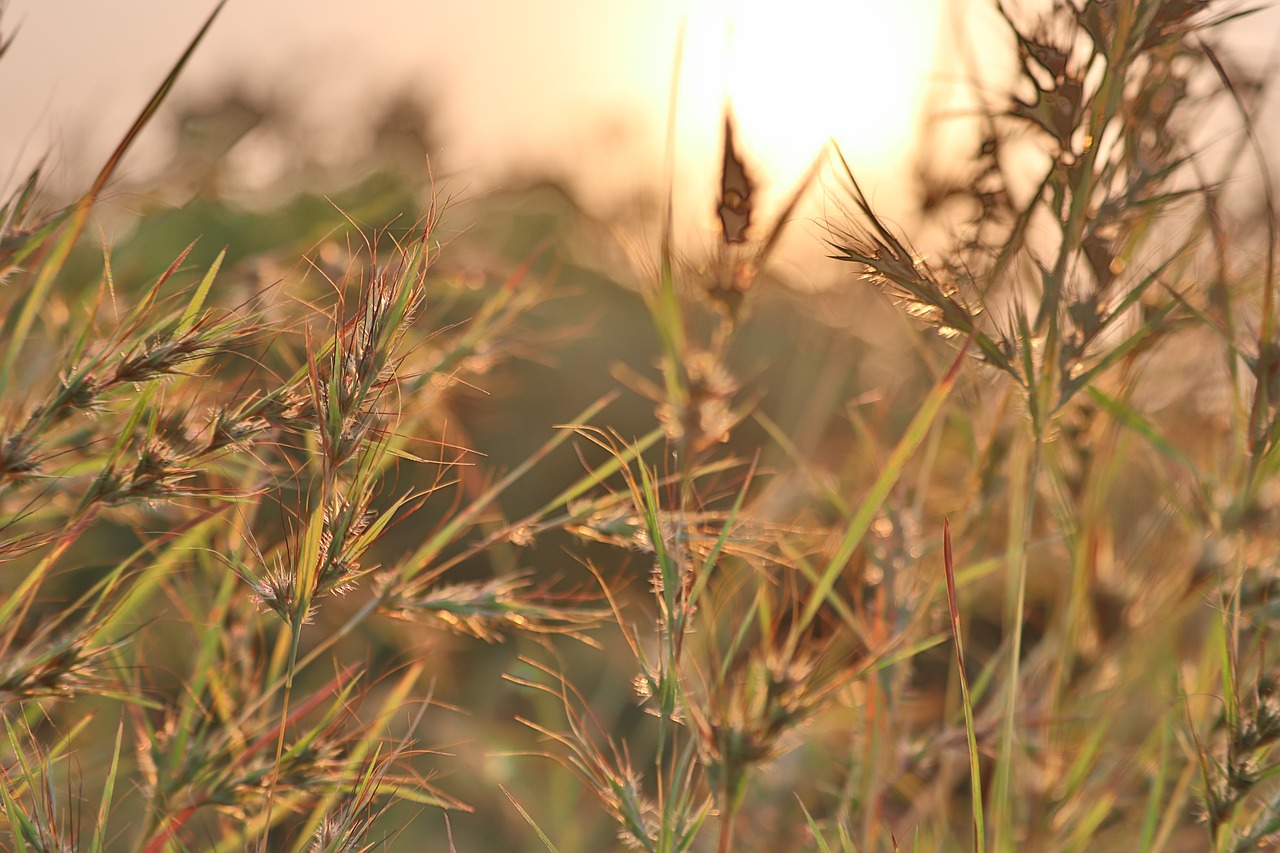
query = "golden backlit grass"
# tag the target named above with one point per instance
(381, 548)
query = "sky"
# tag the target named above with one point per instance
(576, 89)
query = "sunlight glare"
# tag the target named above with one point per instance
(802, 73)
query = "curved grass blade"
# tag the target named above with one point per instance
(78, 214)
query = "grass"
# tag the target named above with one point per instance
(376, 550)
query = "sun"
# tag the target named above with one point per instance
(801, 73)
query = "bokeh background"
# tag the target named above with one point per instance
(571, 89)
(499, 94)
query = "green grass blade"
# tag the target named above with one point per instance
(60, 249)
(542, 836)
(879, 491)
(970, 728)
(98, 844)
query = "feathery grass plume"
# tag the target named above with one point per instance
(345, 385)
(20, 236)
(667, 814)
(119, 436)
(349, 824)
(741, 255)
(198, 760)
(771, 681)
(66, 653)
(696, 402)
(1069, 287)
(1102, 92)
(1241, 750)
(489, 610)
(668, 823)
(412, 589)
(735, 659)
(145, 349)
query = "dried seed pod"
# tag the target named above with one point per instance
(736, 188)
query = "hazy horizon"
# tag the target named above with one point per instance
(574, 92)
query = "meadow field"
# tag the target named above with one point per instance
(390, 516)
